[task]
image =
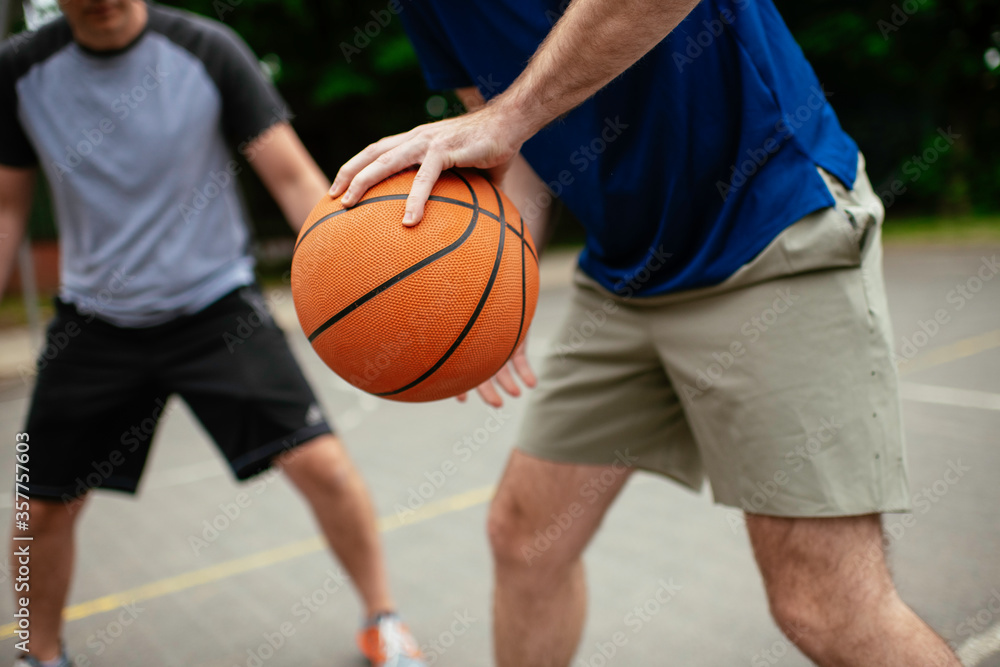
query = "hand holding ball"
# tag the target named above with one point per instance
(416, 313)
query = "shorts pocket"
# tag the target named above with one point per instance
(860, 207)
(853, 219)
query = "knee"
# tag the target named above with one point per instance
(321, 465)
(519, 545)
(505, 534)
(53, 516)
(799, 617)
(817, 619)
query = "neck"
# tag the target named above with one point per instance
(119, 37)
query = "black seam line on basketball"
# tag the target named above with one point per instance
(475, 314)
(513, 230)
(489, 214)
(524, 241)
(503, 220)
(437, 198)
(465, 204)
(504, 223)
(524, 282)
(363, 202)
(347, 310)
(524, 297)
(496, 193)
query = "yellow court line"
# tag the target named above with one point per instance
(953, 352)
(260, 559)
(942, 355)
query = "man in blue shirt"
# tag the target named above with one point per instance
(729, 317)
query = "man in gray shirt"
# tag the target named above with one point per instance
(132, 110)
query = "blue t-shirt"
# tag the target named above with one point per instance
(683, 168)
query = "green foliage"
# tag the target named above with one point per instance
(396, 55)
(349, 77)
(900, 71)
(340, 82)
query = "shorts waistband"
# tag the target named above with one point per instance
(69, 311)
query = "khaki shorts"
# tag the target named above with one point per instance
(779, 383)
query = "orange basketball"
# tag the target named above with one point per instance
(416, 313)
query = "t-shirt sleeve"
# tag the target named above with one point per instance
(15, 149)
(250, 103)
(440, 64)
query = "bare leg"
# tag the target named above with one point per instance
(831, 593)
(541, 520)
(331, 484)
(52, 550)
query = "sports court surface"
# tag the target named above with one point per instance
(148, 592)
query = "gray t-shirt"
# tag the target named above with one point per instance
(136, 145)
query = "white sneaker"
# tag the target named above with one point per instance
(386, 642)
(28, 660)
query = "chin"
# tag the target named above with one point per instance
(105, 17)
(106, 21)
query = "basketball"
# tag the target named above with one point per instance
(416, 313)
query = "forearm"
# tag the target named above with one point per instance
(524, 187)
(593, 42)
(297, 197)
(532, 199)
(16, 189)
(288, 172)
(11, 232)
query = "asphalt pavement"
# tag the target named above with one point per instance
(176, 576)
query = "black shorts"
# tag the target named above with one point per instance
(101, 390)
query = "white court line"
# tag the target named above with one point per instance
(963, 398)
(977, 649)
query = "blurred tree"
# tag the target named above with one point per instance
(346, 70)
(901, 72)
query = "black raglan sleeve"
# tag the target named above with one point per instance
(15, 149)
(250, 102)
